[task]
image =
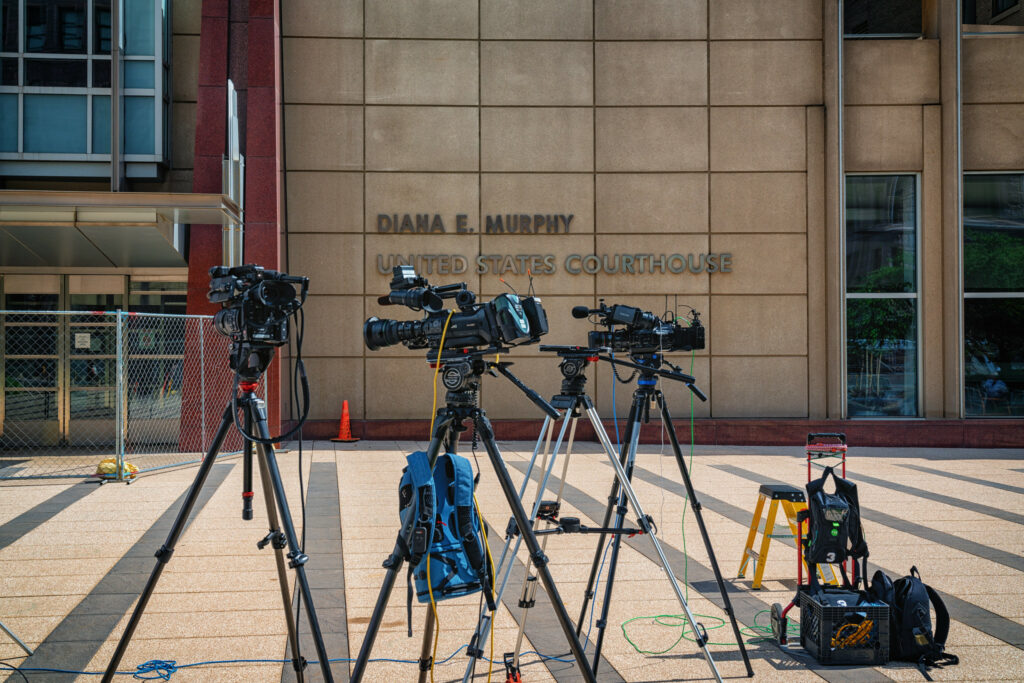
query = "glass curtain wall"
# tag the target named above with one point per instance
(882, 354)
(994, 295)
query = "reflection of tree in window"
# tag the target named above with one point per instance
(55, 26)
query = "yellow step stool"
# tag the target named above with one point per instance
(793, 501)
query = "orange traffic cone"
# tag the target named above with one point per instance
(344, 429)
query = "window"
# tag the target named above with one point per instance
(882, 18)
(881, 296)
(55, 83)
(994, 294)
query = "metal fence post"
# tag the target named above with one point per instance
(202, 384)
(121, 418)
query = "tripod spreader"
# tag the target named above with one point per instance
(549, 409)
(571, 525)
(688, 380)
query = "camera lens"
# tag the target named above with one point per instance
(379, 333)
(275, 294)
(228, 321)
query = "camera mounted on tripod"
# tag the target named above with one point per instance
(507, 320)
(641, 332)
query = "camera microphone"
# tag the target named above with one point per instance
(580, 312)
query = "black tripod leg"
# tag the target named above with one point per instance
(613, 497)
(666, 418)
(540, 561)
(163, 555)
(393, 564)
(620, 515)
(295, 555)
(298, 663)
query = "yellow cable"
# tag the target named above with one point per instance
(437, 622)
(490, 560)
(437, 368)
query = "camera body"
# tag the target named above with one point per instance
(256, 303)
(641, 332)
(507, 320)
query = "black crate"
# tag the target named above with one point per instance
(820, 624)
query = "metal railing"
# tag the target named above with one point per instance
(146, 390)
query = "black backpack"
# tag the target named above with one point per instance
(835, 529)
(910, 622)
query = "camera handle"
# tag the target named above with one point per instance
(548, 409)
(676, 374)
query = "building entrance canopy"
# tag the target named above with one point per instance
(104, 229)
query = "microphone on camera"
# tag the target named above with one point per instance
(580, 312)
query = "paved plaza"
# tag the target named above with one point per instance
(75, 555)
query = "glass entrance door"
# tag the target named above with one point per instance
(31, 406)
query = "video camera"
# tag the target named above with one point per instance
(256, 303)
(641, 332)
(507, 320)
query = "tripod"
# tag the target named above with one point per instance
(649, 367)
(254, 359)
(16, 639)
(461, 373)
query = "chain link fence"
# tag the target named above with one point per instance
(145, 389)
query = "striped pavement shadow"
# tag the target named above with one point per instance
(43, 512)
(964, 477)
(77, 639)
(325, 572)
(965, 612)
(701, 578)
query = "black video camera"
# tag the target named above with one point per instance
(256, 303)
(641, 332)
(507, 320)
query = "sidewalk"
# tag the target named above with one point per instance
(75, 556)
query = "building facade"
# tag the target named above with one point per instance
(845, 215)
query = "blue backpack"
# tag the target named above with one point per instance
(439, 520)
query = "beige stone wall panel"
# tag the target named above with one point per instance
(333, 261)
(931, 246)
(536, 19)
(186, 16)
(762, 264)
(540, 193)
(337, 77)
(758, 202)
(652, 202)
(411, 377)
(324, 138)
(765, 72)
(536, 73)
(687, 283)
(758, 139)
(444, 194)
(993, 69)
(536, 139)
(661, 73)
(891, 71)
(183, 134)
(760, 325)
(421, 18)
(760, 20)
(421, 139)
(650, 19)
(185, 76)
(558, 246)
(333, 380)
(421, 72)
(325, 202)
(993, 137)
(759, 387)
(326, 18)
(564, 329)
(329, 325)
(652, 139)
(883, 139)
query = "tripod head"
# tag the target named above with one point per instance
(575, 360)
(649, 367)
(250, 359)
(461, 370)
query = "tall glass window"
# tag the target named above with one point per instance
(994, 295)
(881, 296)
(55, 81)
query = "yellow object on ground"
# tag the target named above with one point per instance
(107, 469)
